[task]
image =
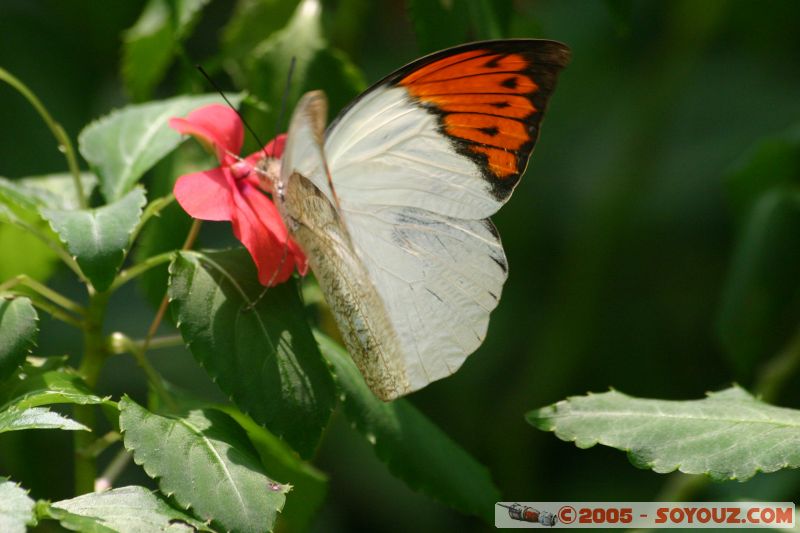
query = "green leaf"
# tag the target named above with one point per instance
(20, 202)
(13, 419)
(205, 462)
(38, 262)
(24, 197)
(19, 327)
(125, 144)
(760, 307)
(36, 385)
(150, 45)
(251, 23)
(124, 510)
(20, 207)
(728, 435)
(16, 508)
(439, 23)
(147, 49)
(771, 163)
(263, 356)
(99, 238)
(317, 66)
(309, 485)
(414, 449)
(56, 191)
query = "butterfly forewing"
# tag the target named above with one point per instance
(490, 99)
(419, 162)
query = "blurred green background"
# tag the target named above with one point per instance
(652, 244)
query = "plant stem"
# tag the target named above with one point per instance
(120, 342)
(53, 311)
(92, 362)
(194, 231)
(112, 471)
(153, 209)
(101, 444)
(140, 268)
(778, 370)
(44, 291)
(64, 144)
(167, 341)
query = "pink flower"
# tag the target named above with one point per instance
(232, 192)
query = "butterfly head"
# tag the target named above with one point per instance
(268, 170)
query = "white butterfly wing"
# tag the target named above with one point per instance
(418, 163)
(389, 151)
(439, 278)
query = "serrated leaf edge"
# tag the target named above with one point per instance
(125, 250)
(213, 375)
(33, 342)
(155, 476)
(632, 454)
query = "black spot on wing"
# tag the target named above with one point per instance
(510, 83)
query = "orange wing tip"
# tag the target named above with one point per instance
(489, 99)
(501, 132)
(494, 83)
(504, 105)
(442, 64)
(501, 163)
(467, 64)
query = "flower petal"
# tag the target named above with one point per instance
(258, 225)
(205, 195)
(217, 125)
(274, 149)
(300, 260)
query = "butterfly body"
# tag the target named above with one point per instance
(361, 317)
(391, 203)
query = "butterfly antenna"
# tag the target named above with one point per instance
(278, 122)
(230, 104)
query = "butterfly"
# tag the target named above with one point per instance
(391, 202)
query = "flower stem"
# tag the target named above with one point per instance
(92, 362)
(194, 231)
(64, 144)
